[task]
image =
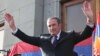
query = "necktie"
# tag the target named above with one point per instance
(55, 41)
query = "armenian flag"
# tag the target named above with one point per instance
(24, 49)
(96, 40)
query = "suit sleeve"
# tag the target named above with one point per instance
(28, 39)
(84, 35)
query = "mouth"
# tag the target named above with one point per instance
(52, 32)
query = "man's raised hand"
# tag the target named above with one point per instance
(87, 10)
(10, 20)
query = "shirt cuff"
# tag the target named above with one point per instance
(91, 25)
(14, 32)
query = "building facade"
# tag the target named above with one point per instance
(30, 16)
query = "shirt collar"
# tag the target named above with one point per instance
(58, 35)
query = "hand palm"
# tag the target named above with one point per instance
(10, 20)
(88, 11)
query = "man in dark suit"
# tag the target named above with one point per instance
(57, 42)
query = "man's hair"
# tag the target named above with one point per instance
(56, 18)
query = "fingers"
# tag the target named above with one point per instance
(10, 20)
(87, 5)
(87, 10)
(8, 17)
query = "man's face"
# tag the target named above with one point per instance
(53, 26)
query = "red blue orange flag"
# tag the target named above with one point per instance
(24, 49)
(96, 42)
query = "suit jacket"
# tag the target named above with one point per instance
(64, 46)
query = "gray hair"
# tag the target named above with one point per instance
(56, 18)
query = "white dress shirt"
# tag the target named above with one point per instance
(58, 37)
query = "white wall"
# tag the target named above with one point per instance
(30, 16)
(24, 13)
(2, 9)
(2, 4)
(1, 39)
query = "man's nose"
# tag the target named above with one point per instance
(51, 27)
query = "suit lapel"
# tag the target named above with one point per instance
(62, 37)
